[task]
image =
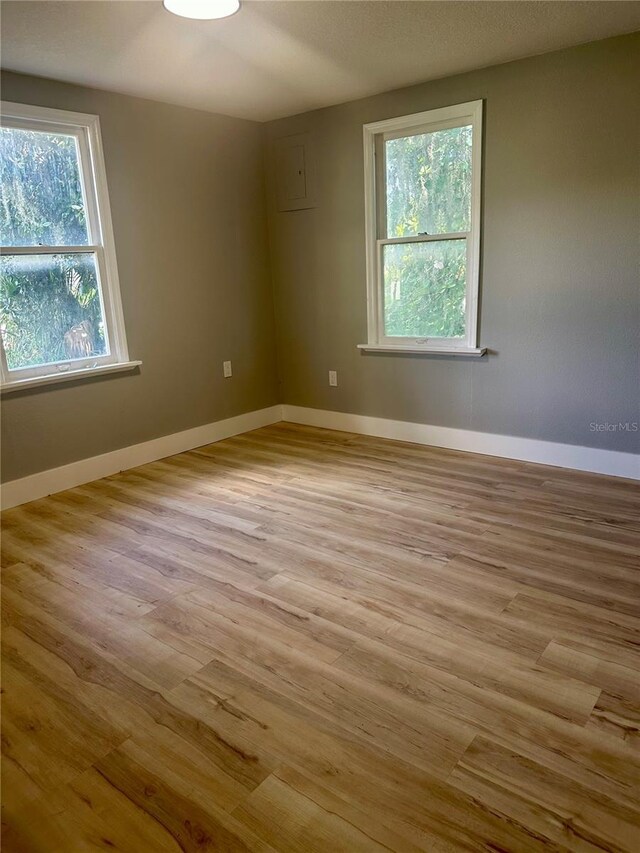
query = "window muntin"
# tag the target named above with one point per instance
(422, 185)
(59, 298)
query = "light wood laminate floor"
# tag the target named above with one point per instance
(304, 640)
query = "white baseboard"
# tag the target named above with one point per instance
(592, 459)
(54, 480)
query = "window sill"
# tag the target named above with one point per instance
(68, 376)
(468, 352)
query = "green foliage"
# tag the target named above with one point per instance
(41, 200)
(424, 289)
(50, 307)
(428, 192)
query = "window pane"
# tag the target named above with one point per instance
(50, 309)
(41, 199)
(429, 183)
(424, 289)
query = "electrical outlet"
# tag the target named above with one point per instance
(333, 378)
(226, 369)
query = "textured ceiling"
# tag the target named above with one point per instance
(278, 58)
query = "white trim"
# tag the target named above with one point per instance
(424, 238)
(86, 129)
(54, 480)
(592, 459)
(68, 376)
(417, 121)
(49, 250)
(453, 116)
(49, 115)
(111, 293)
(478, 352)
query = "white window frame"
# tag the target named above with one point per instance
(86, 130)
(375, 134)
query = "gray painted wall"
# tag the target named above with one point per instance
(187, 199)
(560, 275)
(560, 283)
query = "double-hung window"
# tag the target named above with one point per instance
(60, 310)
(422, 210)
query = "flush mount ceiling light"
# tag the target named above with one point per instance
(202, 10)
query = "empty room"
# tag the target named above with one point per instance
(320, 407)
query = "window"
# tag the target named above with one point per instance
(422, 208)
(60, 311)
